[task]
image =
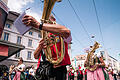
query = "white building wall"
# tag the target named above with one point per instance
(13, 34)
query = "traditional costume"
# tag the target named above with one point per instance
(19, 75)
(95, 71)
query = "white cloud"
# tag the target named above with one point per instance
(17, 5)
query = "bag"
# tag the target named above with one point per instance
(44, 70)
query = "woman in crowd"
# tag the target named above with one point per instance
(19, 70)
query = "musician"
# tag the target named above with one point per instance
(60, 70)
(98, 73)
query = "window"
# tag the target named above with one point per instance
(30, 33)
(18, 40)
(17, 55)
(29, 43)
(29, 55)
(39, 36)
(7, 25)
(6, 36)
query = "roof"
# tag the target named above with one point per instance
(12, 16)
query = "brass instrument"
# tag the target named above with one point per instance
(90, 61)
(48, 6)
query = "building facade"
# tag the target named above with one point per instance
(30, 40)
(79, 60)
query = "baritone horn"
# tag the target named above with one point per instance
(90, 60)
(48, 6)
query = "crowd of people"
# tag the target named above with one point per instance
(18, 72)
(81, 74)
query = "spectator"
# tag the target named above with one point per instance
(71, 74)
(115, 74)
(11, 72)
(79, 74)
(31, 73)
(119, 75)
(19, 70)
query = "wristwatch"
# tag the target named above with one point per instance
(41, 25)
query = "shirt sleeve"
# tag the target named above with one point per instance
(68, 40)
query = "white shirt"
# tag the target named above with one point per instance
(31, 72)
(21, 66)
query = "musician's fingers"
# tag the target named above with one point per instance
(41, 40)
(26, 16)
(28, 23)
(27, 19)
(44, 46)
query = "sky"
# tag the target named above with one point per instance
(84, 25)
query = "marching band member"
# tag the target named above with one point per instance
(57, 30)
(98, 73)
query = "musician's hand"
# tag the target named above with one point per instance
(42, 44)
(98, 65)
(30, 21)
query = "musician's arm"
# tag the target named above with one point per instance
(53, 28)
(37, 52)
(39, 49)
(57, 29)
(85, 63)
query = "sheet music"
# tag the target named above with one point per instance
(22, 29)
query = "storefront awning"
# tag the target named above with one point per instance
(12, 49)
